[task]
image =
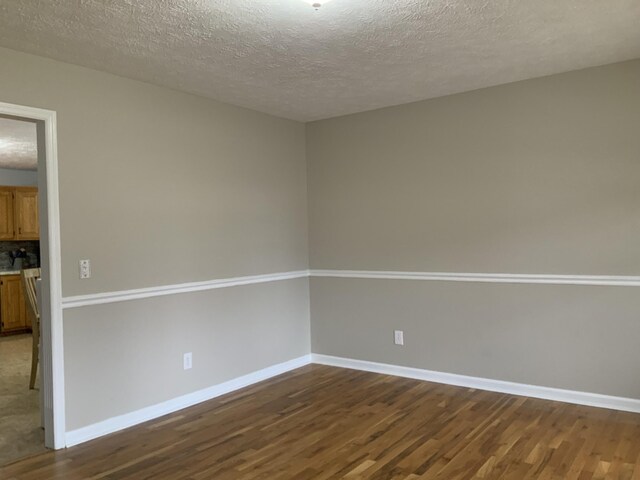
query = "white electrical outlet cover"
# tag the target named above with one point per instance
(187, 361)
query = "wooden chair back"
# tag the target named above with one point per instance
(29, 278)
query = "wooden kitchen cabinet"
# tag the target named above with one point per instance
(27, 226)
(7, 231)
(13, 307)
(19, 213)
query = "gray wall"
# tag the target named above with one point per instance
(137, 346)
(159, 187)
(18, 178)
(540, 176)
(580, 338)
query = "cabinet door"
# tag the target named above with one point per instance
(14, 310)
(6, 214)
(26, 214)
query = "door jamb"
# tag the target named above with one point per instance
(57, 394)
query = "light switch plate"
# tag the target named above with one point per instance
(85, 269)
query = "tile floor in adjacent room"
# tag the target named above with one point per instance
(20, 432)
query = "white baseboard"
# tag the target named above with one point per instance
(547, 393)
(111, 425)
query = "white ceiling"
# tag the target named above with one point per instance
(285, 58)
(18, 144)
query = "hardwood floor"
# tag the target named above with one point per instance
(327, 423)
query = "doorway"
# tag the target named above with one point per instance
(33, 406)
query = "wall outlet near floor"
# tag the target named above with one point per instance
(187, 361)
(398, 337)
(85, 269)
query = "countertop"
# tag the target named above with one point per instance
(9, 272)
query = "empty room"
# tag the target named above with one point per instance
(343, 239)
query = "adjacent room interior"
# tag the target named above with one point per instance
(320, 240)
(21, 425)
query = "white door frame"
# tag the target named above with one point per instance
(56, 382)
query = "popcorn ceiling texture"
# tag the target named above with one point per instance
(285, 58)
(18, 144)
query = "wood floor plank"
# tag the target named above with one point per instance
(323, 423)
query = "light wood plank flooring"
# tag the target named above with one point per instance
(328, 423)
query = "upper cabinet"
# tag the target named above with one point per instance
(26, 213)
(19, 213)
(7, 231)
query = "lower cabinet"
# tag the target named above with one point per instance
(13, 309)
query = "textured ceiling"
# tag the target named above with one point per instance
(18, 144)
(285, 58)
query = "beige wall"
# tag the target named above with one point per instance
(540, 176)
(581, 338)
(159, 187)
(135, 348)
